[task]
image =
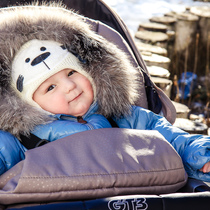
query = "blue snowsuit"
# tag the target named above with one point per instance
(193, 149)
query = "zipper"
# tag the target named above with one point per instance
(78, 119)
(90, 126)
(82, 121)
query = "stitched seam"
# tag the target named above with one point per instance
(102, 174)
(103, 188)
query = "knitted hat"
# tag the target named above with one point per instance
(36, 61)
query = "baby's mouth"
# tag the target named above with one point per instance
(76, 97)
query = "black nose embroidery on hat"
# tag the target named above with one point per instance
(40, 59)
(19, 83)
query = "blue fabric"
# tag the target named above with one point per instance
(11, 151)
(68, 125)
(187, 80)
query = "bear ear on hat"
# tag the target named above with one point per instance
(19, 83)
(86, 48)
(73, 50)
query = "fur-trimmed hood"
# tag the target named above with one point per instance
(115, 78)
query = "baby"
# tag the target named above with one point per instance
(49, 77)
(55, 81)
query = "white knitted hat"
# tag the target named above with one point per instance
(36, 61)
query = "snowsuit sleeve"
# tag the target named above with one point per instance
(193, 149)
(11, 151)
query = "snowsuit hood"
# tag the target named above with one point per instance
(115, 78)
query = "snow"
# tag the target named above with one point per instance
(134, 12)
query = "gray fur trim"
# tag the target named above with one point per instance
(17, 117)
(115, 78)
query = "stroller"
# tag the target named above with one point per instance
(28, 186)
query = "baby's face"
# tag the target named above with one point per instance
(66, 92)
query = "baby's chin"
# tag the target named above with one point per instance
(80, 111)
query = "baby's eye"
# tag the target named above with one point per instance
(50, 88)
(70, 73)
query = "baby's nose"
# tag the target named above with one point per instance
(68, 85)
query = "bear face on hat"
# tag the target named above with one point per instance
(36, 61)
(36, 56)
